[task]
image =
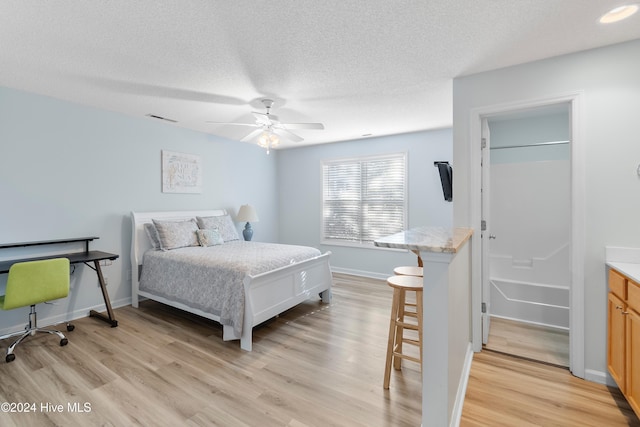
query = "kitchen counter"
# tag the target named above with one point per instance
(427, 239)
(446, 256)
(631, 270)
(624, 260)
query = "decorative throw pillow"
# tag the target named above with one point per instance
(222, 223)
(152, 233)
(209, 237)
(176, 234)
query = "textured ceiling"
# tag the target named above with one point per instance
(374, 67)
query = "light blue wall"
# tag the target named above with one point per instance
(300, 195)
(67, 171)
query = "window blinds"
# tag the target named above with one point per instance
(363, 199)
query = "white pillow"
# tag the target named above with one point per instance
(209, 237)
(222, 223)
(152, 234)
(176, 234)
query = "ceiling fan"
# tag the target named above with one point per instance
(269, 129)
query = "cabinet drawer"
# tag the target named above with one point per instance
(617, 284)
(633, 295)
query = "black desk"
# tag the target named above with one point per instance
(84, 257)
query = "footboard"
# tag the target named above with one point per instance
(271, 293)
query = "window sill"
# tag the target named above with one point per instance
(359, 246)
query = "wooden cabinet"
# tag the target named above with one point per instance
(633, 358)
(616, 354)
(623, 343)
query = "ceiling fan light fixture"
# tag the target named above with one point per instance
(618, 14)
(268, 139)
(266, 125)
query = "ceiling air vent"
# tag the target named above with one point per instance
(161, 118)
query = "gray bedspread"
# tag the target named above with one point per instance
(210, 278)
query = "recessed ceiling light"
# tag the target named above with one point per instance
(619, 13)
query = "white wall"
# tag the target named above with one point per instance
(300, 195)
(608, 80)
(68, 171)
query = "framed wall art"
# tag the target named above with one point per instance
(181, 173)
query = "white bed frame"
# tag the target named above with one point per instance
(266, 295)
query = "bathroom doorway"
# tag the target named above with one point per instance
(527, 209)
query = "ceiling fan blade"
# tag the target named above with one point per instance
(266, 122)
(288, 135)
(253, 125)
(302, 125)
(265, 119)
(252, 135)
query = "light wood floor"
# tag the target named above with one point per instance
(508, 391)
(535, 342)
(316, 365)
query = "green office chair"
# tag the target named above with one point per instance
(30, 283)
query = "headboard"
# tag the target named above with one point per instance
(139, 240)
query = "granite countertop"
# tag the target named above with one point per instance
(427, 239)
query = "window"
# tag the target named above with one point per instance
(363, 199)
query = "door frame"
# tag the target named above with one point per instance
(578, 204)
(486, 215)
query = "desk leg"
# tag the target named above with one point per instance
(110, 317)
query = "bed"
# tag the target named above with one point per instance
(249, 283)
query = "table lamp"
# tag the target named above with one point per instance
(247, 213)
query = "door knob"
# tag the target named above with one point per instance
(492, 236)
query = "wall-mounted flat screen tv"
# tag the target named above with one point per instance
(446, 178)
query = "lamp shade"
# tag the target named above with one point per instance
(247, 213)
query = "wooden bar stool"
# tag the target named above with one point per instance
(410, 270)
(398, 322)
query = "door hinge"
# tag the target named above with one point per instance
(484, 307)
(483, 143)
(483, 225)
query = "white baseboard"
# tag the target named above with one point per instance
(599, 377)
(360, 273)
(456, 414)
(64, 317)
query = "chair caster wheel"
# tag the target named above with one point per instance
(70, 327)
(10, 357)
(64, 342)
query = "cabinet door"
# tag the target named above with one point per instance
(633, 360)
(616, 327)
(618, 284)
